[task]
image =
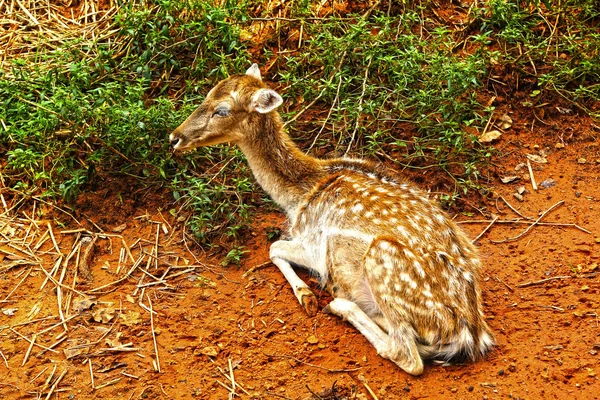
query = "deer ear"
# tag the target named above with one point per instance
(265, 100)
(254, 72)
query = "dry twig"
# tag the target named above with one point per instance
(514, 209)
(541, 281)
(486, 229)
(157, 360)
(533, 184)
(53, 388)
(530, 226)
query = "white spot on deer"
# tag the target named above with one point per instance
(409, 254)
(419, 268)
(440, 218)
(402, 230)
(383, 245)
(358, 207)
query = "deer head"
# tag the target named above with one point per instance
(227, 114)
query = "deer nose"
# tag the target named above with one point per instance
(174, 142)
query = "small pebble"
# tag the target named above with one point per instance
(512, 367)
(470, 388)
(312, 339)
(559, 146)
(577, 194)
(520, 197)
(581, 160)
(547, 183)
(501, 372)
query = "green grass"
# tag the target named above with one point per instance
(398, 83)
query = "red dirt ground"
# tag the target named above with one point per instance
(548, 332)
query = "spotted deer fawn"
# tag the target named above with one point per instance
(398, 268)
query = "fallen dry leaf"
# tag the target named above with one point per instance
(130, 318)
(536, 159)
(120, 228)
(505, 122)
(80, 304)
(490, 136)
(211, 351)
(9, 311)
(8, 230)
(116, 342)
(509, 179)
(104, 314)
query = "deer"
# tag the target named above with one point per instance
(398, 268)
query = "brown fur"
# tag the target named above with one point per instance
(399, 269)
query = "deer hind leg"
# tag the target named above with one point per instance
(284, 253)
(398, 347)
(386, 270)
(394, 281)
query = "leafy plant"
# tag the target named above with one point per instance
(395, 82)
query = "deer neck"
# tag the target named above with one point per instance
(279, 166)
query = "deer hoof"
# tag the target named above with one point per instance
(309, 302)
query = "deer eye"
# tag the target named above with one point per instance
(221, 112)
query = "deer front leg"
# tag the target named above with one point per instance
(282, 254)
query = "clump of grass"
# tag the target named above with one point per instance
(75, 113)
(553, 46)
